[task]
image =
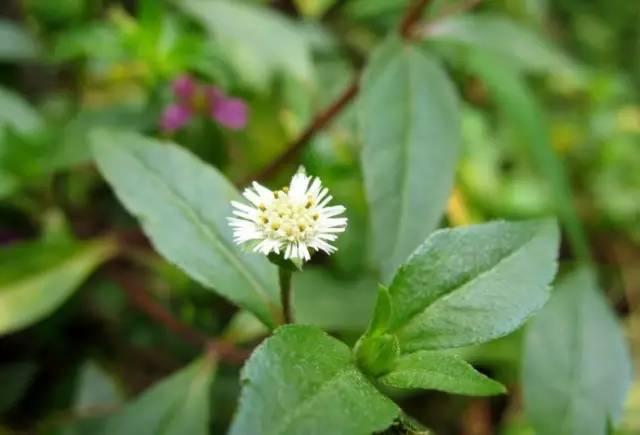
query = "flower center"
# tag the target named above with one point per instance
(289, 220)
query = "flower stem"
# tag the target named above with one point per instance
(285, 293)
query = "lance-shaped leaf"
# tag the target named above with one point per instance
(37, 277)
(576, 369)
(409, 121)
(440, 371)
(469, 285)
(177, 405)
(302, 381)
(182, 204)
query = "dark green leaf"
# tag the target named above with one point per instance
(440, 371)
(37, 277)
(576, 369)
(177, 405)
(409, 121)
(302, 381)
(469, 285)
(15, 379)
(182, 205)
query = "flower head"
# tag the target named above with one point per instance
(295, 220)
(192, 98)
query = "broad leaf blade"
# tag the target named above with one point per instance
(473, 284)
(409, 121)
(177, 405)
(302, 381)
(37, 277)
(440, 371)
(576, 369)
(182, 204)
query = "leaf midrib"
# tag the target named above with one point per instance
(448, 294)
(291, 416)
(193, 216)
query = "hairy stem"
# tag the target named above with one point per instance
(285, 293)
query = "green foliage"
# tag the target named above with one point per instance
(178, 404)
(521, 109)
(37, 277)
(470, 115)
(470, 285)
(302, 381)
(440, 371)
(263, 42)
(408, 117)
(512, 42)
(182, 204)
(576, 370)
(16, 44)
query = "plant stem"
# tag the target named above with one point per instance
(285, 293)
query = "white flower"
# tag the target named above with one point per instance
(295, 220)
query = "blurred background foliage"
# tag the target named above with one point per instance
(551, 123)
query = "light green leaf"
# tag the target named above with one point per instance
(182, 205)
(260, 38)
(440, 371)
(409, 121)
(95, 390)
(15, 43)
(576, 368)
(302, 381)
(177, 405)
(327, 302)
(37, 277)
(514, 42)
(17, 113)
(469, 285)
(520, 107)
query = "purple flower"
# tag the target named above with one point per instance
(192, 97)
(229, 112)
(174, 117)
(184, 88)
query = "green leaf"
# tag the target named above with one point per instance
(440, 371)
(95, 390)
(514, 42)
(520, 107)
(261, 39)
(576, 368)
(469, 285)
(409, 121)
(302, 381)
(177, 405)
(37, 277)
(327, 302)
(15, 43)
(17, 113)
(182, 205)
